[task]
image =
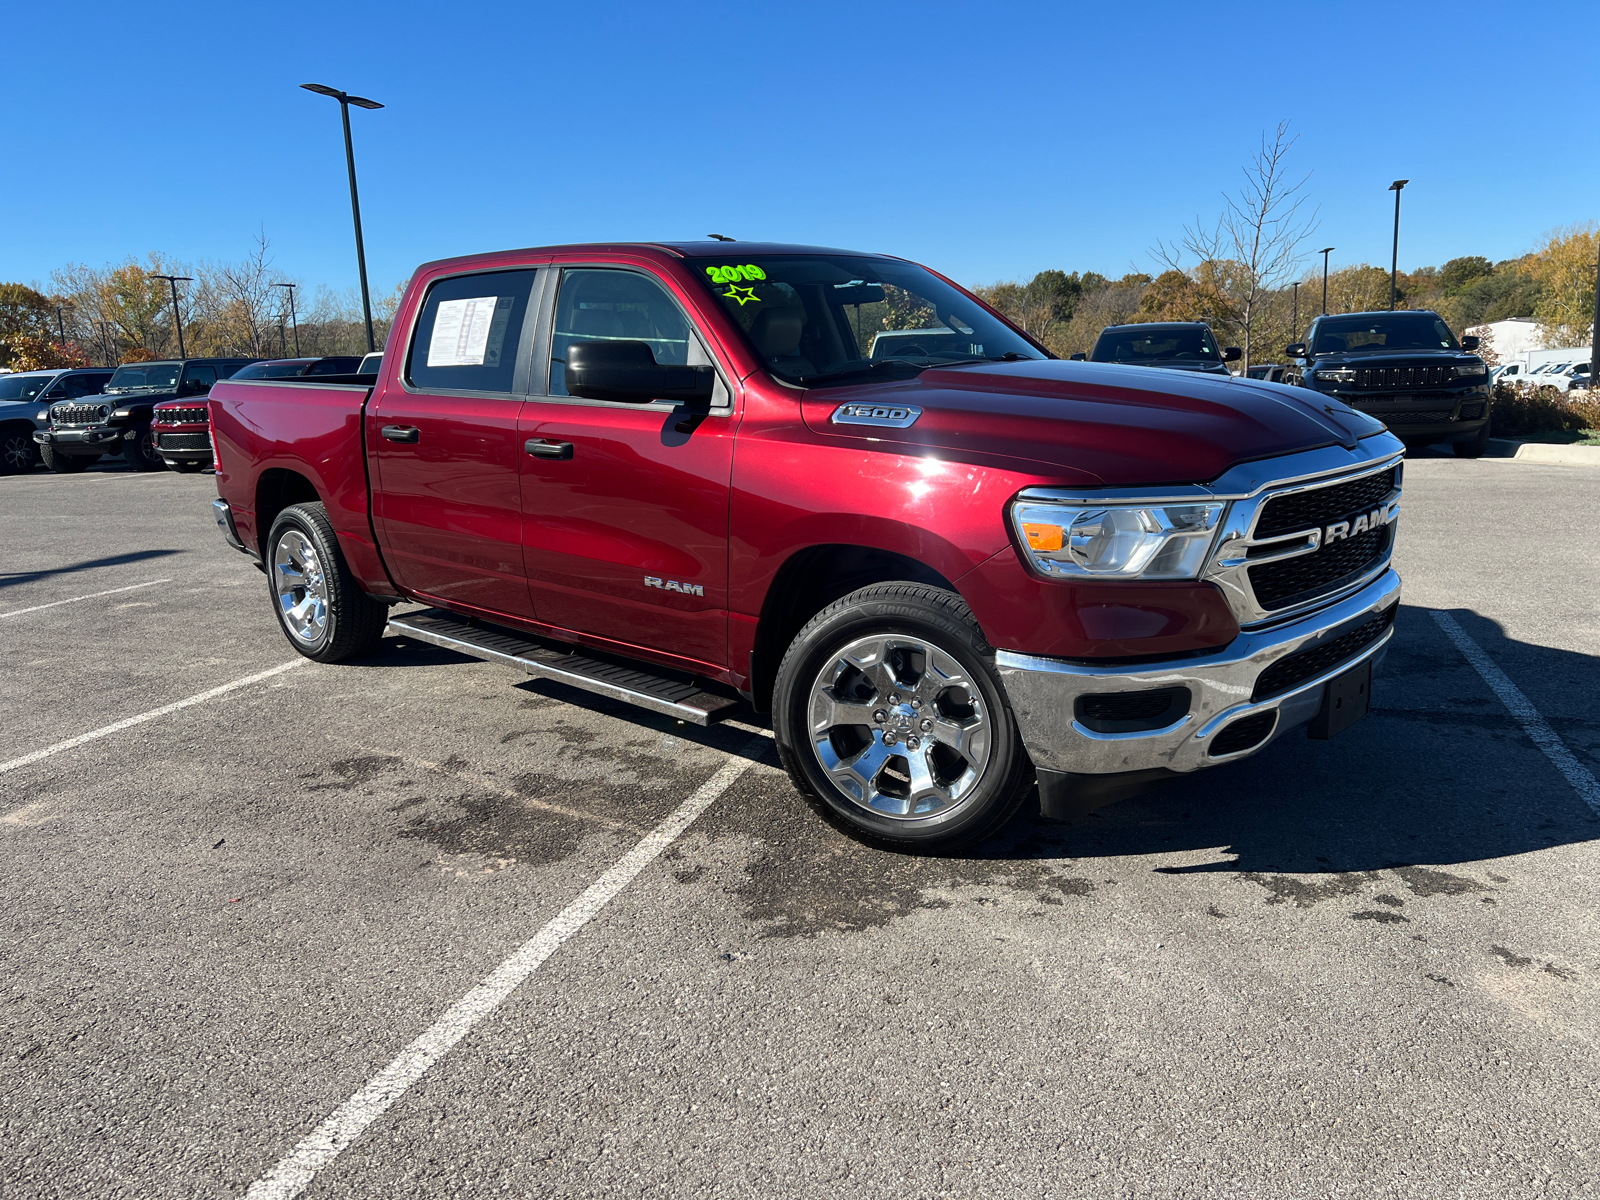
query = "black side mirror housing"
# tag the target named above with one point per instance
(1232, 354)
(628, 372)
(1080, 356)
(1469, 342)
(1295, 349)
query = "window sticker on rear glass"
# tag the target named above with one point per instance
(470, 333)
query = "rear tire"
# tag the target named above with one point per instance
(65, 464)
(139, 450)
(893, 725)
(19, 453)
(320, 608)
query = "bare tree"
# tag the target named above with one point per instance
(1255, 245)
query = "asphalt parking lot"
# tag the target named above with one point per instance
(1363, 968)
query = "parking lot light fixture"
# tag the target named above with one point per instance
(345, 101)
(1325, 251)
(1394, 260)
(295, 321)
(174, 281)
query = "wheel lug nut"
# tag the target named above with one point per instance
(927, 726)
(889, 738)
(913, 742)
(894, 697)
(880, 716)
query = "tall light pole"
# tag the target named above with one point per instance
(295, 321)
(1325, 251)
(111, 350)
(345, 101)
(1296, 336)
(61, 325)
(1394, 261)
(175, 280)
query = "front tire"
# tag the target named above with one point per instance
(19, 453)
(65, 464)
(1475, 446)
(321, 610)
(139, 450)
(892, 723)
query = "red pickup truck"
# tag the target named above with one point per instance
(838, 487)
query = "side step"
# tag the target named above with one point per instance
(658, 693)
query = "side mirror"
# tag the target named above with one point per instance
(1232, 354)
(1470, 342)
(628, 372)
(1295, 349)
(1080, 356)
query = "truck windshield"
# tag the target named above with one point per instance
(144, 375)
(22, 387)
(1154, 344)
(1384, 331)
(818, 319)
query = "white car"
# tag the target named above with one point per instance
(1573, 378)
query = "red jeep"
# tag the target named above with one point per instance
(181, 431)
(841, 488)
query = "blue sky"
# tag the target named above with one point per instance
(989, 141)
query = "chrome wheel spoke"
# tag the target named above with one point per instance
(302, 592)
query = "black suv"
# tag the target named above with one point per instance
(1174, 345)
(118, 419)
(1404, 368)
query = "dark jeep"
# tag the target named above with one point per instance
(1174, 345)
(1404, 368)
(118, 419)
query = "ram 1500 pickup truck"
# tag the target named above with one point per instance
(688, 474)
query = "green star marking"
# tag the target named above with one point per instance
(749, 295)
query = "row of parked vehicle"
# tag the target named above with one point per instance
(152, 414)
(1563, 376)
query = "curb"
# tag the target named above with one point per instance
(1544, 452)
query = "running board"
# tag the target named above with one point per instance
(683, 700)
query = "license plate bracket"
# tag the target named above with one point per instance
(1346, 698)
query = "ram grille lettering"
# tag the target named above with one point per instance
(672, 585)
(1376, 519)
(888, 416)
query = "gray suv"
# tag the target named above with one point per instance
(22, 396)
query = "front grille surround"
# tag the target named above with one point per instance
(198, 415)
(78, 414)
(1394, 379)
(1298, 546)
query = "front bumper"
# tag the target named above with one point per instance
(1044, 692)
(97, 440)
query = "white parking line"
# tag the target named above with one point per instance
(347, 1122)
(128, 722)
(132, 587)
(1579, 776)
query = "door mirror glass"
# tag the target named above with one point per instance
(628, 372)
(1295, 350)
(1080, 356)
(1470, 342)
(1232, 354)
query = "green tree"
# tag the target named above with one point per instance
(1565, 269)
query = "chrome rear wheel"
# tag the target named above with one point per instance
(297, 578)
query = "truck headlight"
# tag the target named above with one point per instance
(1336, 375)
(1470, 369)
(1167, 541)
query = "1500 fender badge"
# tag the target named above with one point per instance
(889, 416)
(672, 585)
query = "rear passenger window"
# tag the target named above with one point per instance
(201, 378)
(467, 335)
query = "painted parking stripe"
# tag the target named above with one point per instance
(141, 718)
(1534, 725)
(347, 1122)
(132, 587)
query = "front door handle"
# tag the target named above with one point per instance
(401, 433)
(545, 448)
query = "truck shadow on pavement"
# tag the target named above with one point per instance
(12, 578)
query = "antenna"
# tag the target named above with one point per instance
(721, 237)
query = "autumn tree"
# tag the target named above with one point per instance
(1565, 269)
(1254, 247)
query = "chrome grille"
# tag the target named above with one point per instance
(182, 416)
(78, 414)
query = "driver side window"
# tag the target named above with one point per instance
(605, 305)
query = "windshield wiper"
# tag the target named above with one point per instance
(870, 369)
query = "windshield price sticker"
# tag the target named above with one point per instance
(469, 333)
(739, 274)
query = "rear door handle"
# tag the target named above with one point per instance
(401, 433)
(545, 448)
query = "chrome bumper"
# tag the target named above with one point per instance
(1044, 693)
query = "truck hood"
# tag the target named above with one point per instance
(1121, 426)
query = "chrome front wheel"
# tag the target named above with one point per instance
(899, 726)
(302, 589)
